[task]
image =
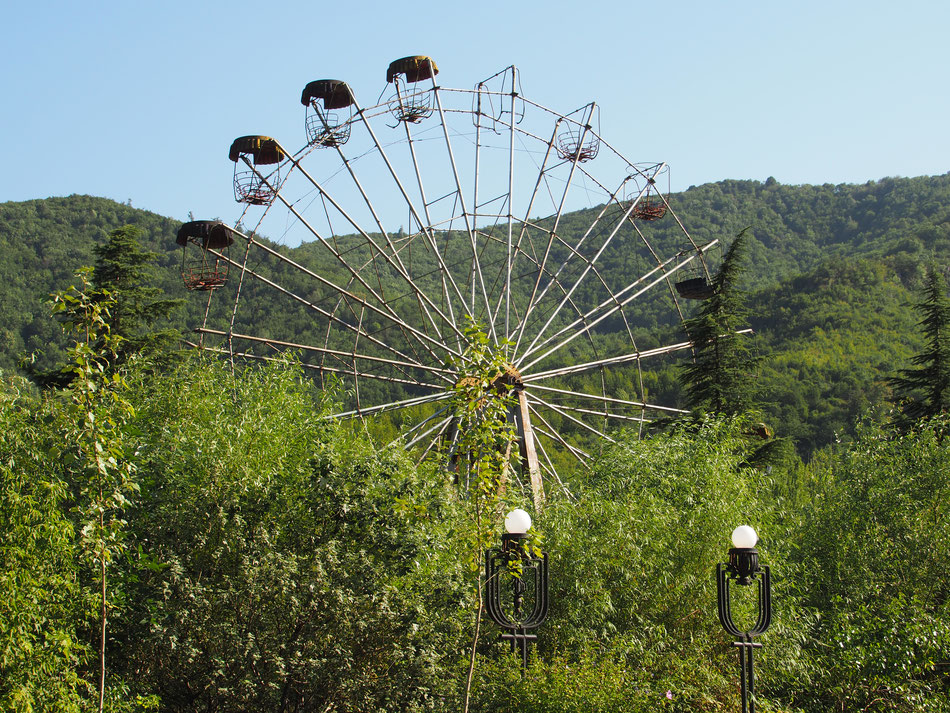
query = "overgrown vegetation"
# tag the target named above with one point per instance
(182, 536)
(276, 560)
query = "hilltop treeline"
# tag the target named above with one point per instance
(830, 275)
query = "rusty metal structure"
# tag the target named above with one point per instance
(204, 254)
(329, 118)
(258, 180)
(437, 206)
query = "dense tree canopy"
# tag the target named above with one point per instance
(275, 560)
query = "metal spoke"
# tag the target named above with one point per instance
(609, 361)
(353, 356)
(589, 325)
(549, 467)
(319, 310)
(572, 419)
(355, 274)
(552, 433)
(413, 211)
(439, 426)
(608, 399)
(394, 405)
(575, 250)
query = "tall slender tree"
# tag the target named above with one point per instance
(923, 391)
(124, 270)
(720, 378)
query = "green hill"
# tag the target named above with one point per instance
(831, 275)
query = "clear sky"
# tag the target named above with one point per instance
(140, 101)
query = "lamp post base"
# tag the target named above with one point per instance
(746, 676)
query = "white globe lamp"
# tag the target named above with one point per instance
(518, 522)
(744, 537)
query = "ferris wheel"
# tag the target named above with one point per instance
(435, 209)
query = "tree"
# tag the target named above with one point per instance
(124, 269)
(130, 307)
(923, 391)
(481, 403)
(42, 607)
(96, 411)
(719, 379)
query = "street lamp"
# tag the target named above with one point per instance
(528, 575)
(743, 568)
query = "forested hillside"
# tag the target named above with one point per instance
(831, 273)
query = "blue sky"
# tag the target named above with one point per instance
(140, 101)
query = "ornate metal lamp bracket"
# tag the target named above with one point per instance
(744, 568)
(531, 574)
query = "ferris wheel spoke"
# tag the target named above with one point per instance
(444, 274)
(412, 342)
(575, 251)
(617, 306)
(339, 355)
(435, 440)
(424, 226)
(513, 252)
(581, 455)
(370, 241)
(548, 467)
(605, 414)
(511, 181)
(609, 361)
(324, 313)
(606, 399)
(563, 412)
(553, 279)
(394, 405)
(416, 427)
(370, 375)
(440, 426)
(314, 367)
(613, 301)
(425, 340)
(469, 225)
(551, 432)
(394, 251)
(347, 366)
(313, 231)
(656, 257)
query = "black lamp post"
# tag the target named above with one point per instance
(528, 576)
(744, 569)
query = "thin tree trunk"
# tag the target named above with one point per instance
(478, 610)
(102, 612)
(471, 663)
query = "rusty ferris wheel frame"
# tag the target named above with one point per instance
(485, 179)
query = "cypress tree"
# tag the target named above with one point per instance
(923, 391)
(720, 377)
(125, 270)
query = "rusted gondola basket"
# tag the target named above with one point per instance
(204, 254)
(329, 104)
(410, 103)
(258, 182)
